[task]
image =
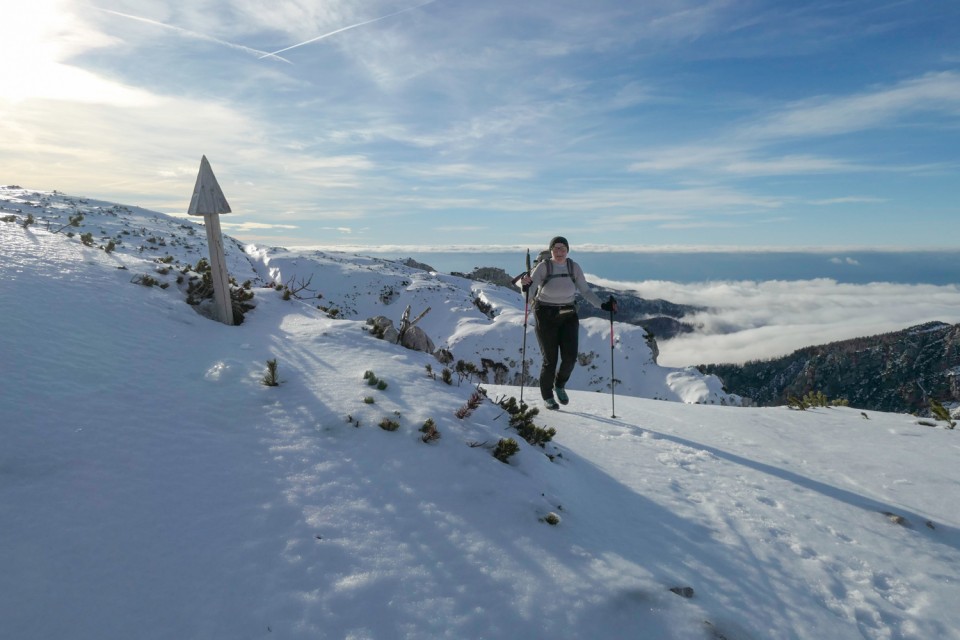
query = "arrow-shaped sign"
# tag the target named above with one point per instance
(207, 197)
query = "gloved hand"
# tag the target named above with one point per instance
(610, 305)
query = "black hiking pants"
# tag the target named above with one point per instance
(558, 332)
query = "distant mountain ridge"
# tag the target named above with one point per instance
(897, 372)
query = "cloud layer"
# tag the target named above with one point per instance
(758, 320)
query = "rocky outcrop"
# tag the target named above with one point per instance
(413, 337)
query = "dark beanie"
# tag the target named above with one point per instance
(560, 240)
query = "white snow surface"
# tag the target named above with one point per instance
(152, 487)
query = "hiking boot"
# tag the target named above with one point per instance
(561, 395)
(551, 404)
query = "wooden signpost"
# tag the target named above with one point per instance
(208, 201)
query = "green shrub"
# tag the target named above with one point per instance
(465, 370)
(552, 519)
(814, 399)
(270, 378)
(429, 431)
(506, 448)
(389, 425)
(368, 400)
(73, 221)
(521, 419)
(145, 280)
(940, 412)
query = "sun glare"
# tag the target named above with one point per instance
(40, 37)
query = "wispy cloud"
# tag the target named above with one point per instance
(751, 149)
(847, 200)
(832, 116)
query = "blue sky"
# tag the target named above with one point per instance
(453, 122)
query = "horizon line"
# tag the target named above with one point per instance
(604, 248)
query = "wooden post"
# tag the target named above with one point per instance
(208, 201)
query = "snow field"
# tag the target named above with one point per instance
(152, 487)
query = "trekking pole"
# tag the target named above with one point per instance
(613, 379)
(523, 351)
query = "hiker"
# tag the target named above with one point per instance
(556, 281)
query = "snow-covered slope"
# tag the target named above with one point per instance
(355, 287)
(152, 487)
(359, 288)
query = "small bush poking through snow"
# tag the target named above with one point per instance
(521, 419)
(148, 281)
(814, 399)
(476, 399)
(270, 378)
(551, 519)
(506, 448)
(389, 425)
(429, 431)
(940, 412)
(374, 381)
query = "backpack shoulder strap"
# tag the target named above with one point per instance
(569, 274)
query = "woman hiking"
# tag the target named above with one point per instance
(556, 282)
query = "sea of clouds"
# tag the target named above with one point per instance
(749, 320)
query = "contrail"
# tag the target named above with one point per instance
(194, 34)
(341, 30)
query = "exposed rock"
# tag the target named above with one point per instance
(661, 318)
(683, 592)
(413, 264)
(896, 518)
(413, 337)
(417, 339)
(493, 275)
(383, 328)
